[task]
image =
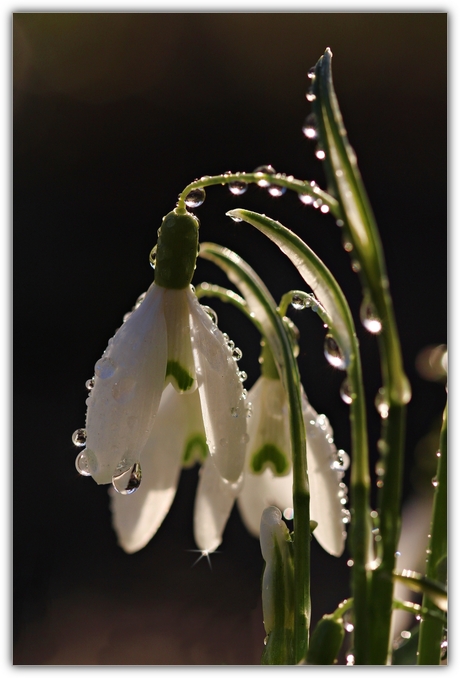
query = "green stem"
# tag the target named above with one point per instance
(296, 185)
(280, 344)
(431, 630)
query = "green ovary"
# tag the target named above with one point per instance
(195, 450)
(183, 379)
(271, 456)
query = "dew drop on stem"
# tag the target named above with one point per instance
(333, 353)
(264, 169)
(369, 317)
(238, 187)
(195, 198)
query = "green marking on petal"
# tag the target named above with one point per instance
(269, 455)
(195, 450)
(183, 379)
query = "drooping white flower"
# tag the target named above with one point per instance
(268, 466)
(168, 339)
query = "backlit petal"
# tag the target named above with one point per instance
(128, 386)
(180, 369)
(213, 504)
(137, 517)
(221, 393)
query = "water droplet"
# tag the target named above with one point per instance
(434, 482)
(79, 437)
(234, 412)
(311, 73)
(82, 463)
(89, 384)
(305, 198)
(342, 462)
(238, 187)
(381, 403)
(288, 513)
(300, 300)
(379, 468)
(340, 223)
(397, 554)
(355, 266)
(264, 169)
(324, 209)
(105, 368)
(236, 219)
(310, 96)
(444, 649)
(348, 627)
(242, 376)
(369, 318)
(211, 313)
(350, 562)
(333, 354)
(276, 191)
(248, 410)
(153, 256)
(309, 127)
(195, 198)
(379, 483)
(126, 316)
(244, 394)
(320, 154)
(139, 300)
(438, 454)
(347, 246)
(237, 354)
(127, 477)
(346, 515)
(346, 393)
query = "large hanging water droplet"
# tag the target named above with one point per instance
(82, 464)
(79, 437)
(105, 368)
(333, 353)
(264, 169)
(238, 187)
(369, 317)
(195, 198)
(309, 127)
(346, 392)
(127, 477)
(153, 256)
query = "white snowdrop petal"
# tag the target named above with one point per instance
(260, 491)
(213, 504)
(221, 394)
(325, 506)
(137, 517)
(127, 390)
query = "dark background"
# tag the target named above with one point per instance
(113, 114)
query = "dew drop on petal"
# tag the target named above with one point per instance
(82, 464)
(105, 368)
(211, 313)
(195, 198)
(127, 477)
(288, 513)
(126, 316)
(140, 299)
(242, 375)
(89, 384)
(342, 462)
(237, 354)
(311, 73)
(264, 169)
(333, 353)
(234, 412)
(79, 437)
(369, 317)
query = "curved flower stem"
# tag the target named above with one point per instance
(431, 630)
(280, 344)
(296, 185)
(346, 184)
(340, 322)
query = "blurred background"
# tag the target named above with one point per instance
(113, 114)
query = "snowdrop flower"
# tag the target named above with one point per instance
(168, 349)
(268, 469)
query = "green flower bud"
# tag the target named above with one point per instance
(326, 641)
(177, 250)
